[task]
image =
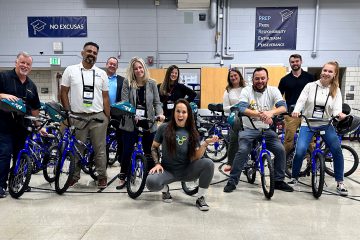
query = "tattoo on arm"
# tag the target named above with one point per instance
(155, 153)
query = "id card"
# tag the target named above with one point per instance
(140, 112)
(318, 111)
(170, 106)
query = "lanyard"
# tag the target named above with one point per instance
(327, 98)
(82, 77)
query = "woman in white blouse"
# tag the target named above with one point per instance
(321, 99)
(231, 97)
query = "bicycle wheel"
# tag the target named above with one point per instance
(217, 151)
(111, 152)
(305, 167)
(190, 188)
(351, 161)
(137, 176)
(267, 176)
(50, 162)
(317, 175)
(20, 175)
(64, 173)
(250, 170)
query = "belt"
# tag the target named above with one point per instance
(84, 113)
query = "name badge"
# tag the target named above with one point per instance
(170, 106)
(88, 95)
(140, 112)
(318, 111)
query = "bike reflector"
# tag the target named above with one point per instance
(10, 106)
(120, 109)
(55, 111)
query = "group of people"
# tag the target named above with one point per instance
(297, 93)
(88, 91)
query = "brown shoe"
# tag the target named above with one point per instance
(73, 182)
(102, 183)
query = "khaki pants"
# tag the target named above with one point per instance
(291, 125)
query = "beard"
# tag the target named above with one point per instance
(89, 59)
(295, 67)
(256, 89)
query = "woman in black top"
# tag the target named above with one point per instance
(171, 90)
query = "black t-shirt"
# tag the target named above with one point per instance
(176, 92)
(292, 86)
(11, 84)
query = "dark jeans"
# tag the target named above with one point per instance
(10, 143)
(128, 141)
(273, 144)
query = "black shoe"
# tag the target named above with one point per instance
(283, 186)
(201, 204)
(229, 187)
(121, 184)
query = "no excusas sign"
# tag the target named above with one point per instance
(57, 26)
(276, 28)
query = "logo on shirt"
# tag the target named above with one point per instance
(181, 140)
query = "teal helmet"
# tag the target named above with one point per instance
(10, 106)
(194, 107)
(122, 108)
(55, 111)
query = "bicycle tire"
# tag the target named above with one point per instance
(305, 169)
(250, 170)
(219, 154)
(64, 173)
(19, 182)
(351, 161)
(136, 178)
(267, 180)
(190, 189)
(50, 162)
(318, 175)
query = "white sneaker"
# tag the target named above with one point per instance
(341, 189)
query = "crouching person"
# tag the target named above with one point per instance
(181, 155)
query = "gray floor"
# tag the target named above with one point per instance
(81, 213)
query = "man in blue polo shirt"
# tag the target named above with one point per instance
(115, 87)
(14, 85)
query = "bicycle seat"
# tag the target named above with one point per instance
(216, 107)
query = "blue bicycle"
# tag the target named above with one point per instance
(69, 146)
(260, 160)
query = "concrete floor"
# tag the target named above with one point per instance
(84, 213)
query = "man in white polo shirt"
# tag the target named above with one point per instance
(89, 99)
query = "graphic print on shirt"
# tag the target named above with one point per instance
(181, 139)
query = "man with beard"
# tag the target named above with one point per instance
(14, 85)
(89, 99)
(291, 85)
(260, 102)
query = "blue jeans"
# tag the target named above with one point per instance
(273, 144)
(332, 141)
(10, 143)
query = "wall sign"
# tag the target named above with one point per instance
(57, 26)
(276, 28)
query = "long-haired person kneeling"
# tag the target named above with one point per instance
(181, 155)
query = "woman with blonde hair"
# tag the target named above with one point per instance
(141, 91)
(321, 99)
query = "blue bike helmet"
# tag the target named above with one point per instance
(10, 106)
(123, 108)
(55, 111)
(194, 107)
